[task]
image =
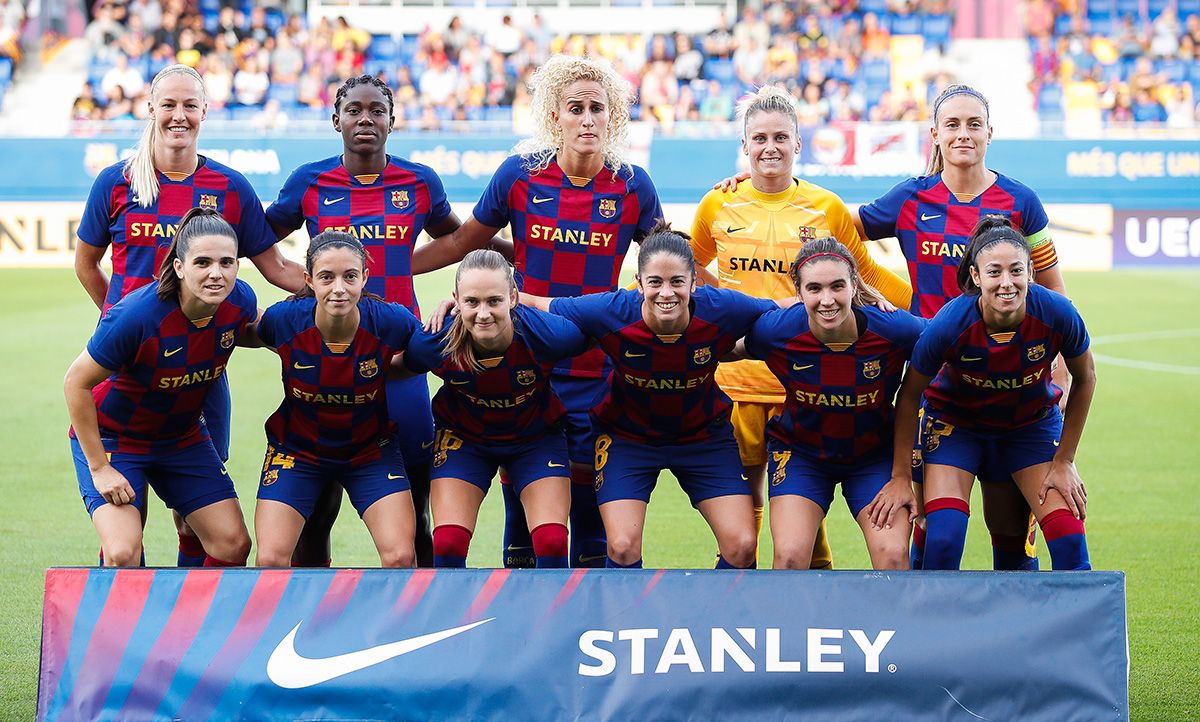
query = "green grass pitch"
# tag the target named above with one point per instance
(1140, 459)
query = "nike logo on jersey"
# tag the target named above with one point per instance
(797, 367)
(426, 444)
(458, 383)
(168, 354)
(300, 367)
(1056, 442)
(629, 354)
(552, 465)
(331, 201)
(541, 200)
(287, 669)
(225, 472)
(970, 358)
(585, 558)
(395, 476)
(731, 230)
(930, 218)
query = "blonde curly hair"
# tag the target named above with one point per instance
(547, 85)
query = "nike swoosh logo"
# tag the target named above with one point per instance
(541, 200)
(584, 559)
(225, 472)
(458, 383)
(1056, 442)
(731, 230)
(930, 218)
(552, 465)
(300, 367)
(168, 354)
(426, 444)
(970, 358)
(634, 355)
(287, 669)
(331, 201)
(801, 368)
(745, 478)
(395, 476)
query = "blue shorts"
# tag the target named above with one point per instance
(706, 469)
(579, 394)
(185, 479)
(992, 454)
(299, 483)
(216, 414)
(458, 458)
(408, 406)
(793, 471)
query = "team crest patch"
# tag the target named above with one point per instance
(367, 369)
(806, 233)
(934, 431)
(702, 355)
(599, 480)
(208, 201)
(871, 369)
(608, 207)
(526, 377)
(400, 199)
(1035, 353)
(227, 339)
(270, 477)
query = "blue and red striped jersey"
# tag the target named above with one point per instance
(839, 403)
(510, 400)
(334, 403)
(933, 228)
(140, 236)
(164, 365)
(662, 389)
(386, 212)
(999, 380)
(570, 240)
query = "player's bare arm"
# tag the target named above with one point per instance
(82, 376)
(447, 249)
(1063, 477)
(89, 273)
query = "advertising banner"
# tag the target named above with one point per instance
(1156, 238)
(581, 644)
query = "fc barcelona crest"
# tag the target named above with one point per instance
(227, 339)
(1035, 353)
(806, 233)
(367, 369)
(871, 369)
(209, 201)
(526, 377)
(400, 199)
(702, 355)
(608, 207)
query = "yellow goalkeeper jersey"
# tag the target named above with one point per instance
(755, 237)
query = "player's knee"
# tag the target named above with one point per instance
(123, 553)
(397, 558)
(625, 548)
(272, 558)
(792, 556)
(890, 555)
(231, 546)
(739, 549)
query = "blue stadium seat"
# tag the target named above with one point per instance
(877, 74)
(1097, 9)
(720, 70)
(1154, 8)
(1173, 70)
(1101, 26)
(275, 20)
(6, 70)
(936, 29)
(1050, 102)
(1187, 7)
(286, 94)
(408, 45)
(384, 47)
(905, 24)
(375, 67)
(1062, 24)
(879, 7)
(210, 6)
(211, 22)
(499, 113)
(832, 25)
(1129, 8)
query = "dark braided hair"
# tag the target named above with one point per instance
(364, 79)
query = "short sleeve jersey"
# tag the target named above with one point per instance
(933, 227)
(165, 365)
(510, 400)
(386, 212)
(839, 402)
(334, 404)
(755, 237)
(570, 240)
(141, 236)
(997, 380)
(663, 388)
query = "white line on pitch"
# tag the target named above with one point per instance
(1147, 336)
(1147, 365)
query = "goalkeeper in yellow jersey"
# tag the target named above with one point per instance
(754, 232)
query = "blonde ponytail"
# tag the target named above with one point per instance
(139, 167)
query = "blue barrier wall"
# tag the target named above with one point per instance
(581, 644)
(1126, 174)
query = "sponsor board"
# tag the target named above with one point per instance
(580, 644)
(1145, 237)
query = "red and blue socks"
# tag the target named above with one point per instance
(1066, 540)
(945, 532)
(450, 545)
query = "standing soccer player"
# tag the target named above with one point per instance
(575, 206)
(988, 354)
(933, 217)
(755, 231)
(496, 409)
(840, 360)
(135, 206)
(663, 408)
(385, 202)
(136, 393)
(336, 343)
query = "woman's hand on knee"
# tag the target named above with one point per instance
(112, 485)
(1064, 478)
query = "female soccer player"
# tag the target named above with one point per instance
(385, 202)
(933, 216)
(496, 408)
(754, 232)
(336, 342)
(136, 393)
(663, 409)
(136, 205)
(575, 205)
(840, 360)
(993, 402)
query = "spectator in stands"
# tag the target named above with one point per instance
(85, 106)
(229, 27)
(116, 105)
(103, 33)
(719, 43)
(250, 83)
(1146, 108)
(659, 93)
(287, 61)
(310, 90)
(717, 104)
(503, 38)
(149, 12)
(749, 61)
(342, 31)
(1130, 44)
(876, 40)
(121, 75)
(438, 82)
(751, 27)
(1180, 113)
(1039, 18)
(218, 80)
(689, 63)
(1166, 32)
